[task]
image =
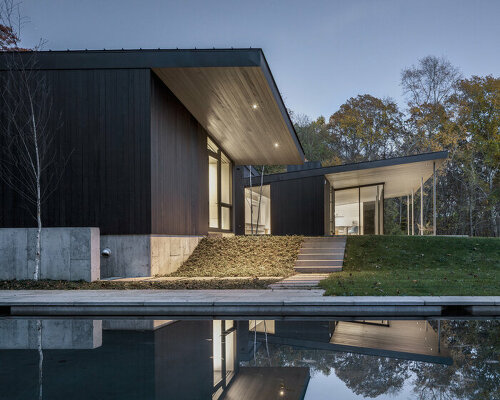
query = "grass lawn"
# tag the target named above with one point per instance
(417, 265)
(243, 256)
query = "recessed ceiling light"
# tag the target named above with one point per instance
(276, 145)
(255, 106)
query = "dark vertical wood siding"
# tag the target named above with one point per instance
(297, 206)
(179, 166)
(239, 201)
(326, 207)
(102, 122)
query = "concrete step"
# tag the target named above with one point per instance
(335, 254)
(318, 263)
(323, 245)
(317, 269)
(327, 256)
(299, 281)
(324, 239)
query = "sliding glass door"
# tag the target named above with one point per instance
(220, 188)
(359, 210)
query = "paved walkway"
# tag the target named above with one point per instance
(296, 304)
(186, 278)
(318, 257)
(299, 281)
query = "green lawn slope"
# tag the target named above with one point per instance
(417, 265)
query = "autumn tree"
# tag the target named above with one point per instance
(476, 119)
(365, 128)
(313, 135)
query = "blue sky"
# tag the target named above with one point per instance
(320, 52)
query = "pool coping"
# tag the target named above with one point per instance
(236, 302)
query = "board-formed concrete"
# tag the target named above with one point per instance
(237, 303)
(56, 334)
(145, 255)
(67, 253)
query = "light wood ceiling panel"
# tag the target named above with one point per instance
(399, 179)
(222, 99)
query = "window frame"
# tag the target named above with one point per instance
(218, 155)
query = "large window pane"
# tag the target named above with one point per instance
(217, 351)
(226, 217)
(220, 175)
(258, 218)
(225, 184)
(347, 212)
(212, 193)
(369, 211)
(211, 145)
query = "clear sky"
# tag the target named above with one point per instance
(320, 52)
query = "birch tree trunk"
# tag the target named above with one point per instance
(40, 359)
(38, 253)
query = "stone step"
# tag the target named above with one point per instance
(318, 263)
(317, 269)
(327, 256)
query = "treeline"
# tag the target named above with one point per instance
(444, 111)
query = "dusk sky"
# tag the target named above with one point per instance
(320, 52)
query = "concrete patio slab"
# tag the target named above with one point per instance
(220, 303)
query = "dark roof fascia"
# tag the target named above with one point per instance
(285, 176)
(279, 100)
(138, 59)
(159, 58)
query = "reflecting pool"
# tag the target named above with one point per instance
(249, 359)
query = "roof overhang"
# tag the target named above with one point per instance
(400, 176)
(231, 92)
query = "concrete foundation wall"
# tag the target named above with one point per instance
(56, 334)
(134, 324)
(67, 253)
(145, 255)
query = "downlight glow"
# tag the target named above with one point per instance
(255, 106)
(276, 145)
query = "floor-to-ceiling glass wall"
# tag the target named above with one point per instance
(347, 212)
(258, 210)
(359, 210)
(219, 188)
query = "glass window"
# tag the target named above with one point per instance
(220, 188)
(347, 212)
(226, 217)
(258, 210)
(212, 192)
(217, 351)
(225, 183)
(211, 145)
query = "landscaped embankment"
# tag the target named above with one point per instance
(243, 256)
(417, 265)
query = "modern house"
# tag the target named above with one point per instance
(152, 138)
(152, 141)
(338, 200)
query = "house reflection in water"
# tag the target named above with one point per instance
(202, 359)
(409, 340)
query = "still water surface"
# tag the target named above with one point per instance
(256, 359)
